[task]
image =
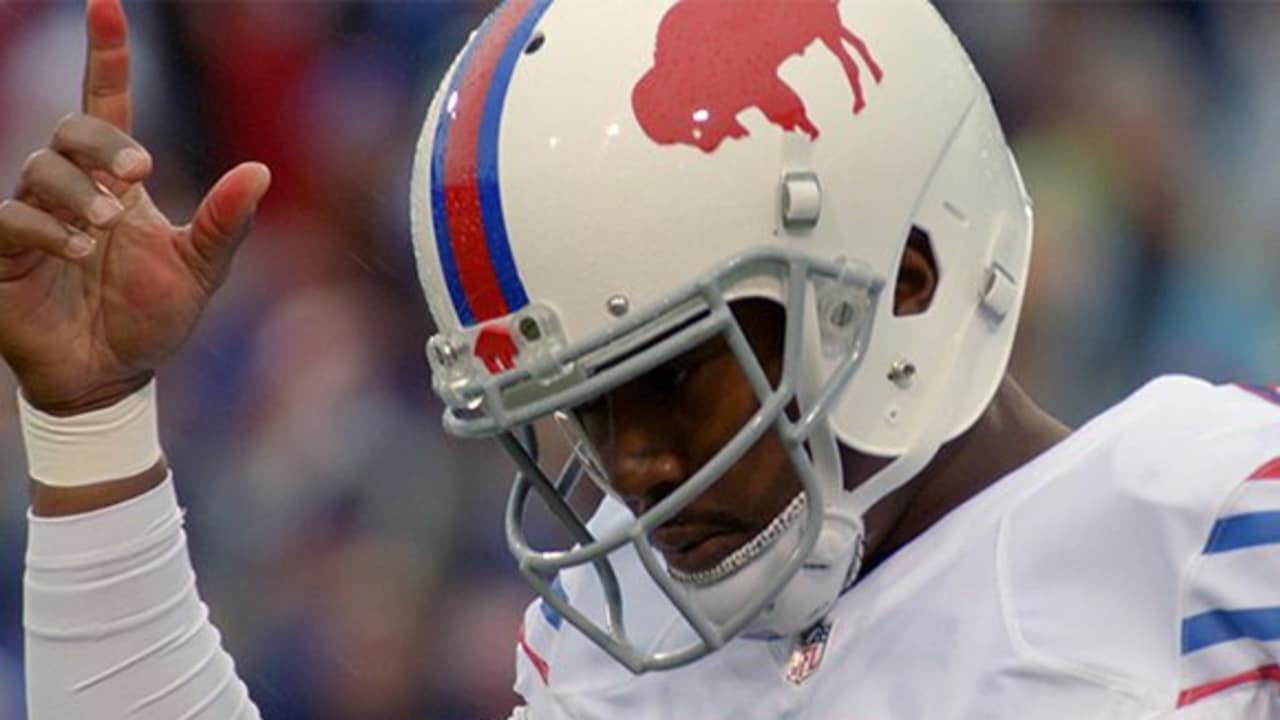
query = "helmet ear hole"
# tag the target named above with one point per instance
(918, 275)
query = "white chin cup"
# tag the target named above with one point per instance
(809, 595)
(830, 568)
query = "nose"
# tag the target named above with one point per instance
(647, 466)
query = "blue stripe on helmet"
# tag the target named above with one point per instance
(487, 176)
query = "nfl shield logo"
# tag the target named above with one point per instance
(807, 656)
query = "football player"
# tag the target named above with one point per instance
(759, 264)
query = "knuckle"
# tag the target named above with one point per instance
(41, 168)
(66, 125)
(50, 229)
(32, 165)
(9, 210)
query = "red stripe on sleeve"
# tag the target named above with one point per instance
(1270, 471)
(462, 192)
(539, 663)
(1266, 673)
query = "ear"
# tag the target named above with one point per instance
(917, 276)
(765, 324)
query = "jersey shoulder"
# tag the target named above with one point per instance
(1230, 620)
(1109, 549)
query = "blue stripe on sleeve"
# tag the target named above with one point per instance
(1244, 531)
(1219, 626)
(549, 613)
(552, 617)
(1266, 392)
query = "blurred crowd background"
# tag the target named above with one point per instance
(351, 553)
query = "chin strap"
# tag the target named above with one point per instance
(836, 560)
(858, 503)
(892, 477)
(921, 451)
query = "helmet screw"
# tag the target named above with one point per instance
(535, 43)
(618, 305)
(446, 355)
(843, 314)
(530, 330)
(903, 373)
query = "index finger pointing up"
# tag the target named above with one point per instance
(106, 72)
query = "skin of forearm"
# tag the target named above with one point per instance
(48, 501)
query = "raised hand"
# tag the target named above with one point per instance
(97, 286)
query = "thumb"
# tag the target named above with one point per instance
(222, 221)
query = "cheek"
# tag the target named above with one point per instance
(773, 480)
(722, 408)
(762, 482)
(758, 487)
(718, 405)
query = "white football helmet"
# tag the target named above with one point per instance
(596, 182)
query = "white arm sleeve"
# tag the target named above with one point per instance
(114, 626)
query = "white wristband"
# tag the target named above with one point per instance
(109, 444)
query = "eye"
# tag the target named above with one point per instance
(680, 375)
(667, 380)
(594, 418)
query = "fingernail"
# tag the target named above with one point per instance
(129, 161)
(80, 246)
(103, 210)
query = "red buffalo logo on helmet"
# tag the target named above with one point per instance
(716, 58)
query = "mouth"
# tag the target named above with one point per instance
(695, 547)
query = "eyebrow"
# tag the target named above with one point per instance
(674, 330)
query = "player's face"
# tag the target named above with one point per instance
(656, 431)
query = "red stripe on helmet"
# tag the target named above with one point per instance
(462, 192)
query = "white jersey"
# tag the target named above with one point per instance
(1133, 571)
